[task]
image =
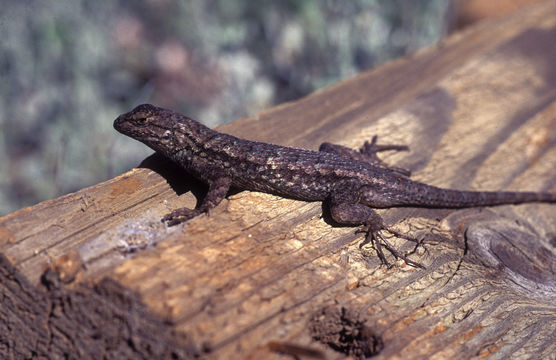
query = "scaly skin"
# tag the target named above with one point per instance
(354, 182)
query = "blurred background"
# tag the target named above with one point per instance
(68, 68)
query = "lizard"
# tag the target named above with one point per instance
(352, 183)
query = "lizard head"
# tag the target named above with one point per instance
(164, 131)
(149, 124)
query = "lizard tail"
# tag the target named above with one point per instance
(405, 192)
(436, 197)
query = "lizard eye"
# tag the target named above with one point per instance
(140, 118)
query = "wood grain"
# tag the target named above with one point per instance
(95, 273)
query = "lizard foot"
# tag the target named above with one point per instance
(370, 150)
(375, 237)
(180, 215)
(373, 148)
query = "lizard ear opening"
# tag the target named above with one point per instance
(166, 137)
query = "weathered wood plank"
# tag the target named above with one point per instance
(478, 113)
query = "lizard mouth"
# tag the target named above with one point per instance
(123, 125)
(118, 123)
(136, 119)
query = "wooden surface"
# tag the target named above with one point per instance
(95, 274)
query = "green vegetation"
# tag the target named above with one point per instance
(69, 67)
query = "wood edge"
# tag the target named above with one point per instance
(46, 316)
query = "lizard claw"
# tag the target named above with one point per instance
(379, 241)
(370, 150)
(178, 216)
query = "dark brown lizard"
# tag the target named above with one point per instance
(353, 182)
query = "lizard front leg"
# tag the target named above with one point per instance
(218, 189)
(367, 153)
(346, 209)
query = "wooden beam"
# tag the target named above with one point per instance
(95, 273)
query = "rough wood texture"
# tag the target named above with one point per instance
(95, 274)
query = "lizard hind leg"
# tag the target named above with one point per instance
(368, 153)
(345, 210)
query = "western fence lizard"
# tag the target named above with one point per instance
(352, 182)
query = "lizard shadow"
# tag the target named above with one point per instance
(179, 180)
